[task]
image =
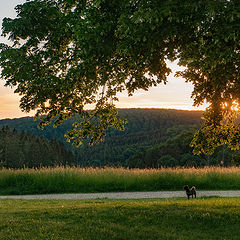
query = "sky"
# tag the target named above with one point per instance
(176, 94)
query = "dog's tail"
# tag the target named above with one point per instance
(193, 188)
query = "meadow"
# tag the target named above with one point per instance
(171, 219)
(86, 180)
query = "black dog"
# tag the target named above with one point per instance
(191, 191)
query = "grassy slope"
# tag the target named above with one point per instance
(210, 218)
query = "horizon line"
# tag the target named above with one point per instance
(145, 108)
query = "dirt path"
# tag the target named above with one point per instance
(124, 195)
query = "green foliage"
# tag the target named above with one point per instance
(167, 161)
(149, 135)
(176, 151)
(67, 54)
(145, 129)
(212, 135)
(24, 150)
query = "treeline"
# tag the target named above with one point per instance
(176, 151)
(117, 150)
(140, 122)
(145, 129)
(19, 150)
(152, 138)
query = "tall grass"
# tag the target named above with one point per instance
(74, 180)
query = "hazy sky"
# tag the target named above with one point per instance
(176, 94)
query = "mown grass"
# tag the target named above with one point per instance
(176, 219)
(73, 180)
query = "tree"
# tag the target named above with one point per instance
(167, 161)
(68, 53)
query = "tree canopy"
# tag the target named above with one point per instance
(70, 53)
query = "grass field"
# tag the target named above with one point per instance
(209, 218)
(73, 180)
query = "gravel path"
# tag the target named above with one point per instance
(124, 195)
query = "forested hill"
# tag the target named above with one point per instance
(19, 150)
(139, 120)
(145, 129)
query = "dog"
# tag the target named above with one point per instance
(190, 192)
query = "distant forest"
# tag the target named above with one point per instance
(152, 138)
(19, 150)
